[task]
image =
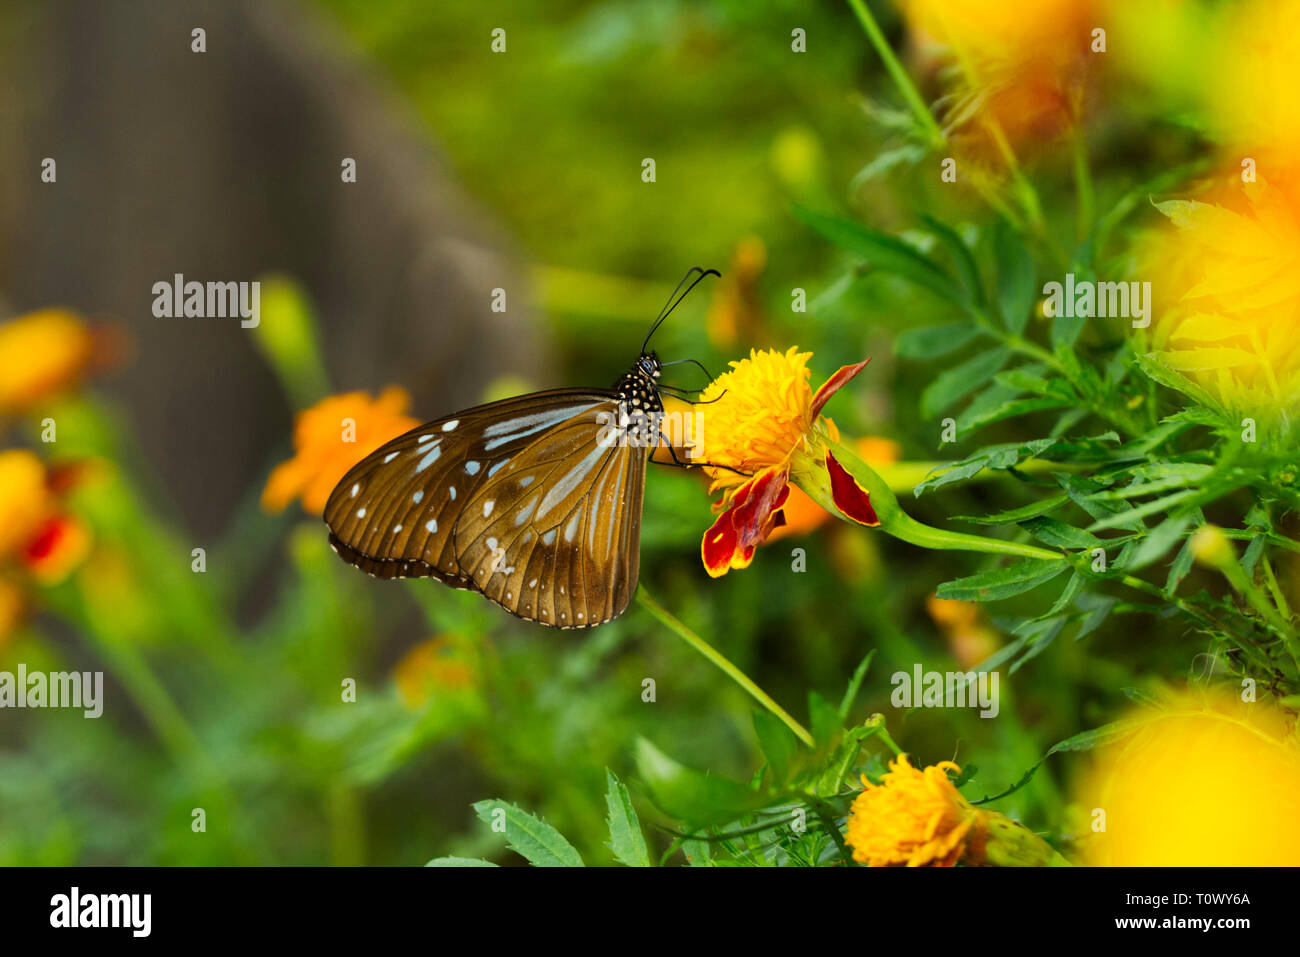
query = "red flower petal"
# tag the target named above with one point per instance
(836, 382)
(850, 497)
(718, 546)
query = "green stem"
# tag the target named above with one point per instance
(722, 662)
(1087, 203)
(814, 480)
(902, 81)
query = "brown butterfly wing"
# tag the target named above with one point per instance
(555, 536)
(394, 513)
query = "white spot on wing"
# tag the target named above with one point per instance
(355, 489)
(448, 426)
(471, 467)
(390, 456)
(361, 513)
(429, 459)
(487, 507)
(431, 525)
(417, 497)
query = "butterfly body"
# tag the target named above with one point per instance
(534, 502)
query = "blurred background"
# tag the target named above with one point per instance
(475, 170)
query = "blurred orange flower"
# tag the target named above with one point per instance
(735, 307)
(38, 539)
(331, 437)
(41, 354)
(969, 639)
(431, 666)
(1022, 64)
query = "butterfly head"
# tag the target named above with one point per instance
(649, 366)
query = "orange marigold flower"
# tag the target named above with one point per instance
(41, 354)
(331, 437)
(804, 515)
(913, 817)
(763, 422)
(38, 539)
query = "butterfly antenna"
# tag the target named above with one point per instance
(697, 362)
(674, 300)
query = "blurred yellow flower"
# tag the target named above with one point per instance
(431, 666)
(329, 438)
(1251, 84)
(1226, 283)
(913, 817)
(1208, 781)
(41, 354)
(762, 420)
(1022, 64)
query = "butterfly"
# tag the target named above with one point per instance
(534, 502)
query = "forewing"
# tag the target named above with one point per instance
(394, 513)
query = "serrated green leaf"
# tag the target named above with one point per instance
(778, 744)
(886, 253)
(689, 795)
(1003, 582)
(529, 836)
(625, 837)
(956, 383)
(1058, 534)
(932, 342)
(1017, 281)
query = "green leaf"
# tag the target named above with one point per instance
(1017, 515)
(1155, 366)
(960, 381)
(529, 836)
(625, 837)
(932, 342)
(689, 795)
(1097, 608)
(886, 253)
(824, 718)
(855, 684)
(1162, 538)
(1003, 582)
(1084, 741)
(1017, 281)
(778, 745)
(961, 257)
(886, 160)
(1049, 531)
(459, 862)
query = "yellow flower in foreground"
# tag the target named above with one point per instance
(41, 354)
(916, 817)
(763, 422)
(331, 437)
(1226, 280)
(1208, 781)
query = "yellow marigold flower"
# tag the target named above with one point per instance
(331, 437)
(41, 354)
(1251, 81)
(431, 666)
(1207, 781)
(763, 422)
(918, 818)
(1022, 64)
(913, 817)
(1226, 278)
